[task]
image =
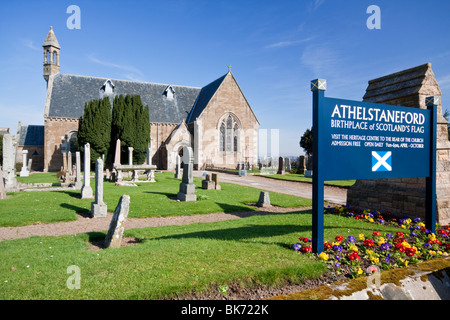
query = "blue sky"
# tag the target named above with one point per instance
(274, 47)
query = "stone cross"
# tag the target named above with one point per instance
(9, 164)
(264, 200)
(187, 187)
(24, 172)
(116, 227)
(130, 156)
(98, 207)
(78, 182)
(86, 190)
(2, 186)
(117, 154)
(177, 168)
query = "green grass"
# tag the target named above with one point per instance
(47, 177)
(302, 178)
(147, 200)
(169, 260)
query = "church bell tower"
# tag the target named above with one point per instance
(51, 55)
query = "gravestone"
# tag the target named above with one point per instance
(301, 166)
(64, 166)
(117, 226)
(238, 167)
(9, 164)
(264, 200)
(177, 168)
(117, 153)
(215, 178)
(287, 164)
(2, 186)
(187, 187)
(280, 165)
(24, 172)
(406, 196)
(208, 183)
(69, 163)
(130, 156)
(242, 173)
(30, 163)
(98, 207)
(86, 190)
(78, 180)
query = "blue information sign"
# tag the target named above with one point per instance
(363, 140)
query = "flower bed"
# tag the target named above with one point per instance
(360, 255)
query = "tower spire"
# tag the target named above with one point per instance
(51, 55)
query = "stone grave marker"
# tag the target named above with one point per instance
(2, 185)
(86, 190)
(208, 184)
(117, 153)
(301, 166)
(98, 207)
(280, 165)
(9, 164)
(187, 187)
(215, 178)
(264, 200)
(117, 226)
(24, 172)
(178, 168)
(78, 180)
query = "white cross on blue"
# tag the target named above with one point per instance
(381, 161)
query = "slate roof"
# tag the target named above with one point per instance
(204, 97)
(31, 135)
(70, 92)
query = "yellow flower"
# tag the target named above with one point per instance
(421, 224)
(360, 271)
(354, 248)
(374, 259)
(408, 221)
(361, 236)
(432, 236)
(323, 256)
(406, 244)
(371, 220)
(370, 252)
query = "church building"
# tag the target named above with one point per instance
(215, 120)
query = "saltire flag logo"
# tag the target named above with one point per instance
(381, 161)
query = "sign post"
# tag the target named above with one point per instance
(364, 140)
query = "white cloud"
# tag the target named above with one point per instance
(30, 44)
(282, 44)
(132, 72)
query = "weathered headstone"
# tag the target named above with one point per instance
(301, 166)
(98, 207)
(69, 163)
(24, 172)
(116, 227)
(2, 186)
(86, 190)
(78, 180)
(9, 164)
(280, 165)
(64, 166)
(207, 183)
(264, 200)
(117, 154)
(287, 164)
(30, 163)
(130, 156)
(187, 187)
(177, 168)
(215, 178)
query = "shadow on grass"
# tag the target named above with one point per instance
(78, 210)
(171, 196)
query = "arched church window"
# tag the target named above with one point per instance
(235, 137)
(222, 137)
(229, 134)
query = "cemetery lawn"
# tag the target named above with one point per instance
(147, 200)
(302, 178)
(171, 260)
